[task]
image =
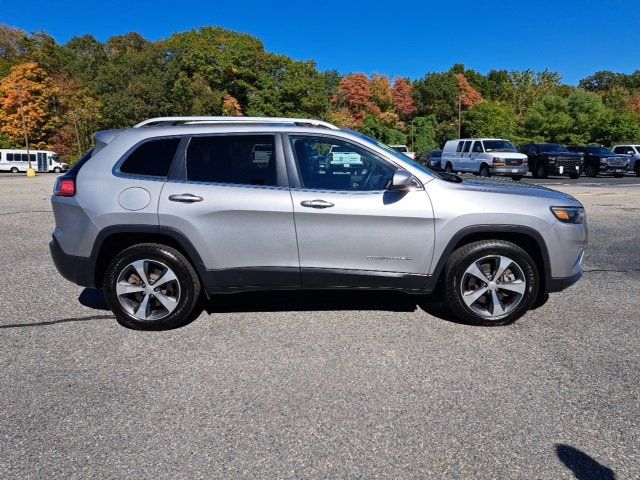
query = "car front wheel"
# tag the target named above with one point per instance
(152, 287)
(490, 282)
(590, 171)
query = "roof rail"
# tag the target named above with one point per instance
(171, 121)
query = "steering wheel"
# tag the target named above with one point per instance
(367, 178)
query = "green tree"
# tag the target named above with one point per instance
(490, 119)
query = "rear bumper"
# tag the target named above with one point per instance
(559, 284)
(79, 270)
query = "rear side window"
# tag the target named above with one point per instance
(467, 146)
(152, 158)
(235, 159)
(459, 147)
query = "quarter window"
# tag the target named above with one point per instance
(152, 158)
(235, 159)
(333, 164)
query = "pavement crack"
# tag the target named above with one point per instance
(614, 270)
(60, 320)
(26, 211)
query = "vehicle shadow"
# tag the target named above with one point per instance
(328, 300)
(306, 301)
(582, 465)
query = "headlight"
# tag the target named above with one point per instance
(603, 161)
(498, 162)
(552, 159)
(575, 215)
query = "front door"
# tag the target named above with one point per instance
(351, 230)
(231, 201)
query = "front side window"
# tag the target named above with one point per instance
(334, 164)
(235, 159)
(152, 158)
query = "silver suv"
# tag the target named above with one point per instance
(165, 214)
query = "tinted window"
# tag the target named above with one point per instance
(552, 148)
(459, 147)
(467, 146)
(349, 167)
(598, 150)
(477, 147)
(436, 154)
(152, 158)
(9, 157)
(237, 159)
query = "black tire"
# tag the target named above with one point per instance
(516, 178)
(590, 171)
(189, 304)
(464, 257)
(448, 168)
(540, 171)
(637, 169)
(57, 170)
(484, 170)
(15, 170)
(573, 176)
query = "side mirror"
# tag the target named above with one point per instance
(402, 181)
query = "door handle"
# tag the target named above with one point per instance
(316, 204)
(185, 198)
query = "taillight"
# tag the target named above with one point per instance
(65, 187)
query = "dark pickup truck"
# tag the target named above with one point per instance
(552, 159)
(602, 160)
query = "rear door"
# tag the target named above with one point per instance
(230, 198)
(351, 230)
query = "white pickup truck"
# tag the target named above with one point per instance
(404, 150)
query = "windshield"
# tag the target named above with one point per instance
(499, 146)
(552, 148)
(599, 150)
(396, 154)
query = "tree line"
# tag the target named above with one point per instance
(69, 91)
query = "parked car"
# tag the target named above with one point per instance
(433, 159)
(175, 209)
(485, 157)
(632, 152)
(552, 159)
(404, 150)
(601, 160)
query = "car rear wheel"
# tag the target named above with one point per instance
(14, 170)
(590, 171)
(490, 282)
(152, 287)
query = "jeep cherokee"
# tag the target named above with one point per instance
(165, 214)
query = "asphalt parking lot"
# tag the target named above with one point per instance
(321, 385)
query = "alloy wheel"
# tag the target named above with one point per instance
(148, 290)
(493, 286)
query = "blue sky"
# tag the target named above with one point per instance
(410, 38)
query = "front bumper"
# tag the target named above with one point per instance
(510, 170)
(559, 284)
(79, 270)
(613, 169)
(566, 169)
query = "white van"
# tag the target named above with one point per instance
(484, 156)
(41, 161)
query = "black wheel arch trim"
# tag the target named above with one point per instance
(493, 229)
